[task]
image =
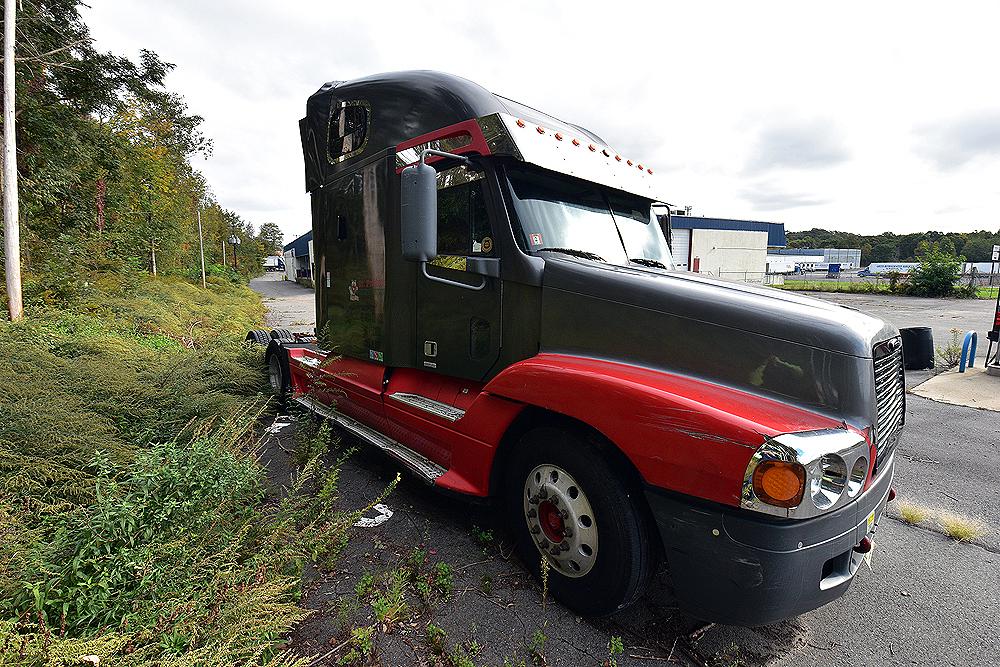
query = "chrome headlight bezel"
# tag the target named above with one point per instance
(829, 457)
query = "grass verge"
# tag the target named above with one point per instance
(134, 524)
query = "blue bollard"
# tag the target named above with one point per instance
(973, 337)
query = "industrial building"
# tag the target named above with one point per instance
(298, 257)
(848, 258)
(724, 247)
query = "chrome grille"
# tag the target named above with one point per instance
(890, 398)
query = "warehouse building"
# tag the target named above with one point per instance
(724, 247)
(848, 258)
(298, 257)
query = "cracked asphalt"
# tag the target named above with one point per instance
(927, 601)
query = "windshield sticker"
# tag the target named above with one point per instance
(535, 239)
(487, 245)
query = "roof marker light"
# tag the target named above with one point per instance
(628, 162)
(540, 129)
(618, 158)
(558, 137)
(606, 153)
(649, 171)
(576, 142)
(520, 123)
(640, 167)
(592, 147)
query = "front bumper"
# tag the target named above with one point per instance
(732, 566)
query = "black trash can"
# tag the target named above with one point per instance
(918, 348)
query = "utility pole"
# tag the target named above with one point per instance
(223, 253)
(11, 224)
(201, 244)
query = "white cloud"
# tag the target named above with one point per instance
(689, 88)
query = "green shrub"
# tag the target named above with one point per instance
(937, 272)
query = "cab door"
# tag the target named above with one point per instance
(458, 294)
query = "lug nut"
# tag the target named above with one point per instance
(544, 543)
(543, 493)
(564, 515)
(554, 551)
(532, 513)
(564, 546)
(535, 530)
(555, 500)
(567, 532)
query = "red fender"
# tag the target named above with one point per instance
(681, 433)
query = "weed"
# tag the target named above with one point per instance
(484, 537)
(444, 579)
(615, 649)
(389, 604)
(960, 528)
(486, 584)
(365, 585)
(435, 638)
(362, 645)
(951, 354)
(537, 648)
(913, 513)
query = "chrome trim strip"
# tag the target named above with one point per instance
(417, 463)
(436, 408)
(806, 448)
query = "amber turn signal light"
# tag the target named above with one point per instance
(779, 483)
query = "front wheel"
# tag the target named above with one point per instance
(569, 505)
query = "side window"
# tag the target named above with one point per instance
(463, 226)
(348, 130)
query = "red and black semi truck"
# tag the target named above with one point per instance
(498, 310)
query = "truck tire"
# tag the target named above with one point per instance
(258, 336)
(277, 371)
(282, 334)
(565, 500)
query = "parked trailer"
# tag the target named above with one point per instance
(884, 268)
(498, 312)
(273, 263)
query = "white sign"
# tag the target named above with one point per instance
(996, 253)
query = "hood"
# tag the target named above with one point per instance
(738, 307)
(796, 349)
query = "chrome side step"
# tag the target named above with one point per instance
(417, 463)
(443, 410)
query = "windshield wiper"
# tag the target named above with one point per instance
(575, 253)
(656, 264)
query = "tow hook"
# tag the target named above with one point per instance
(864, 546)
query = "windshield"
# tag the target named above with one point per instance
(562, 214)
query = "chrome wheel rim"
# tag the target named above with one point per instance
(560, 520)
(274, 372)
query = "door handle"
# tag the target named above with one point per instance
(455, 283)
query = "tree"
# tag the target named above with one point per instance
(938, 270)
(271, 237)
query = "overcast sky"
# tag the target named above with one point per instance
(864, 117)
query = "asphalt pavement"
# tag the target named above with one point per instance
(927, 601)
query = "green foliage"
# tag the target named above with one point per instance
(938, 270)
(888, 247)
(950, 354)
(130, 496)
(362, 645)
(615, 649)
(132, 362)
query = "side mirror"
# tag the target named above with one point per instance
(418, 212)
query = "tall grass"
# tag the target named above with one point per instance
(133, 520)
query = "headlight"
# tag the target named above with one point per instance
(828, 481)
(831, 466)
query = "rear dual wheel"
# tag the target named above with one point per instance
(570, 505)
